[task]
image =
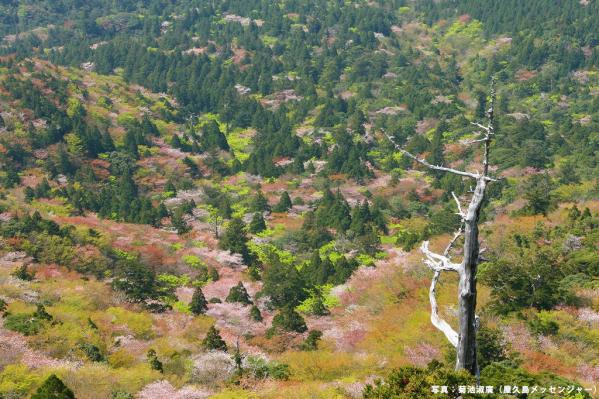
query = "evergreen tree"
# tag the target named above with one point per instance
(289, 320)
(567, 174)
(257, 225)
(53, 388)
(41, 313)
(255, 313)
(284, 203)
(29, 194)
(179, 222)
(436, 149)
(170, 188)
(538, 194)
(260, 203)
(481, 107)
(136, 280)
(43, 189)
(239, 294)
(198, 304)
(235, 240)
(213, 138)
(213, 340)
(92, 352)
(319, 308)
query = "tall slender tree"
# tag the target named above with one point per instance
(464, 340)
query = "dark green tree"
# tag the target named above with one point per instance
(284, 203)
(22, 273)
(53, 388)
(289, 320)
(257, 224)
(137, 281)
(538, 194)
(179, 222)
(213, 340)
(239, 294)
(255, 314)
(412, 382)
(198, 304)
(490, 346)
(235, 240)
(212, 137)
(260, 203)
(283, 284)
(155, 363)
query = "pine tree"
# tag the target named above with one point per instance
(213, 340)
(319, 308)
(239, 294)
(260, 203)
(481, 107)
(53, 388)
(289, 320)
(255, 313)
(284, 203)
(29, 194)
(169, 187)
(257, 225)
(235, 240)
(213, 138)
(43, 189)
(238, 359)
(179, 222)
(198, 304)
(436, 148)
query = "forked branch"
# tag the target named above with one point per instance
(459, 205)
(450, 333)
(441, 263)
(438, 262)
(429, 165)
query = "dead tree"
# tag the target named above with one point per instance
(464, 340)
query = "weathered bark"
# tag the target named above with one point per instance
(466, 349)
(464, 340)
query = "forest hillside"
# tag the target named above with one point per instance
(229, 198)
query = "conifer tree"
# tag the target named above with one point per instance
(53, 388)
(289, 320)
(239, 294)
(284, 203)
(257, 225)
(213, 340)
(260, 203)
(198, 304)
(255, 313)
(235, 240)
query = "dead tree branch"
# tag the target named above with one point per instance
(464, 340)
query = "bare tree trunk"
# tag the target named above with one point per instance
(464, 340)
(466, 349)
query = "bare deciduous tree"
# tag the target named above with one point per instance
(464, 340)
